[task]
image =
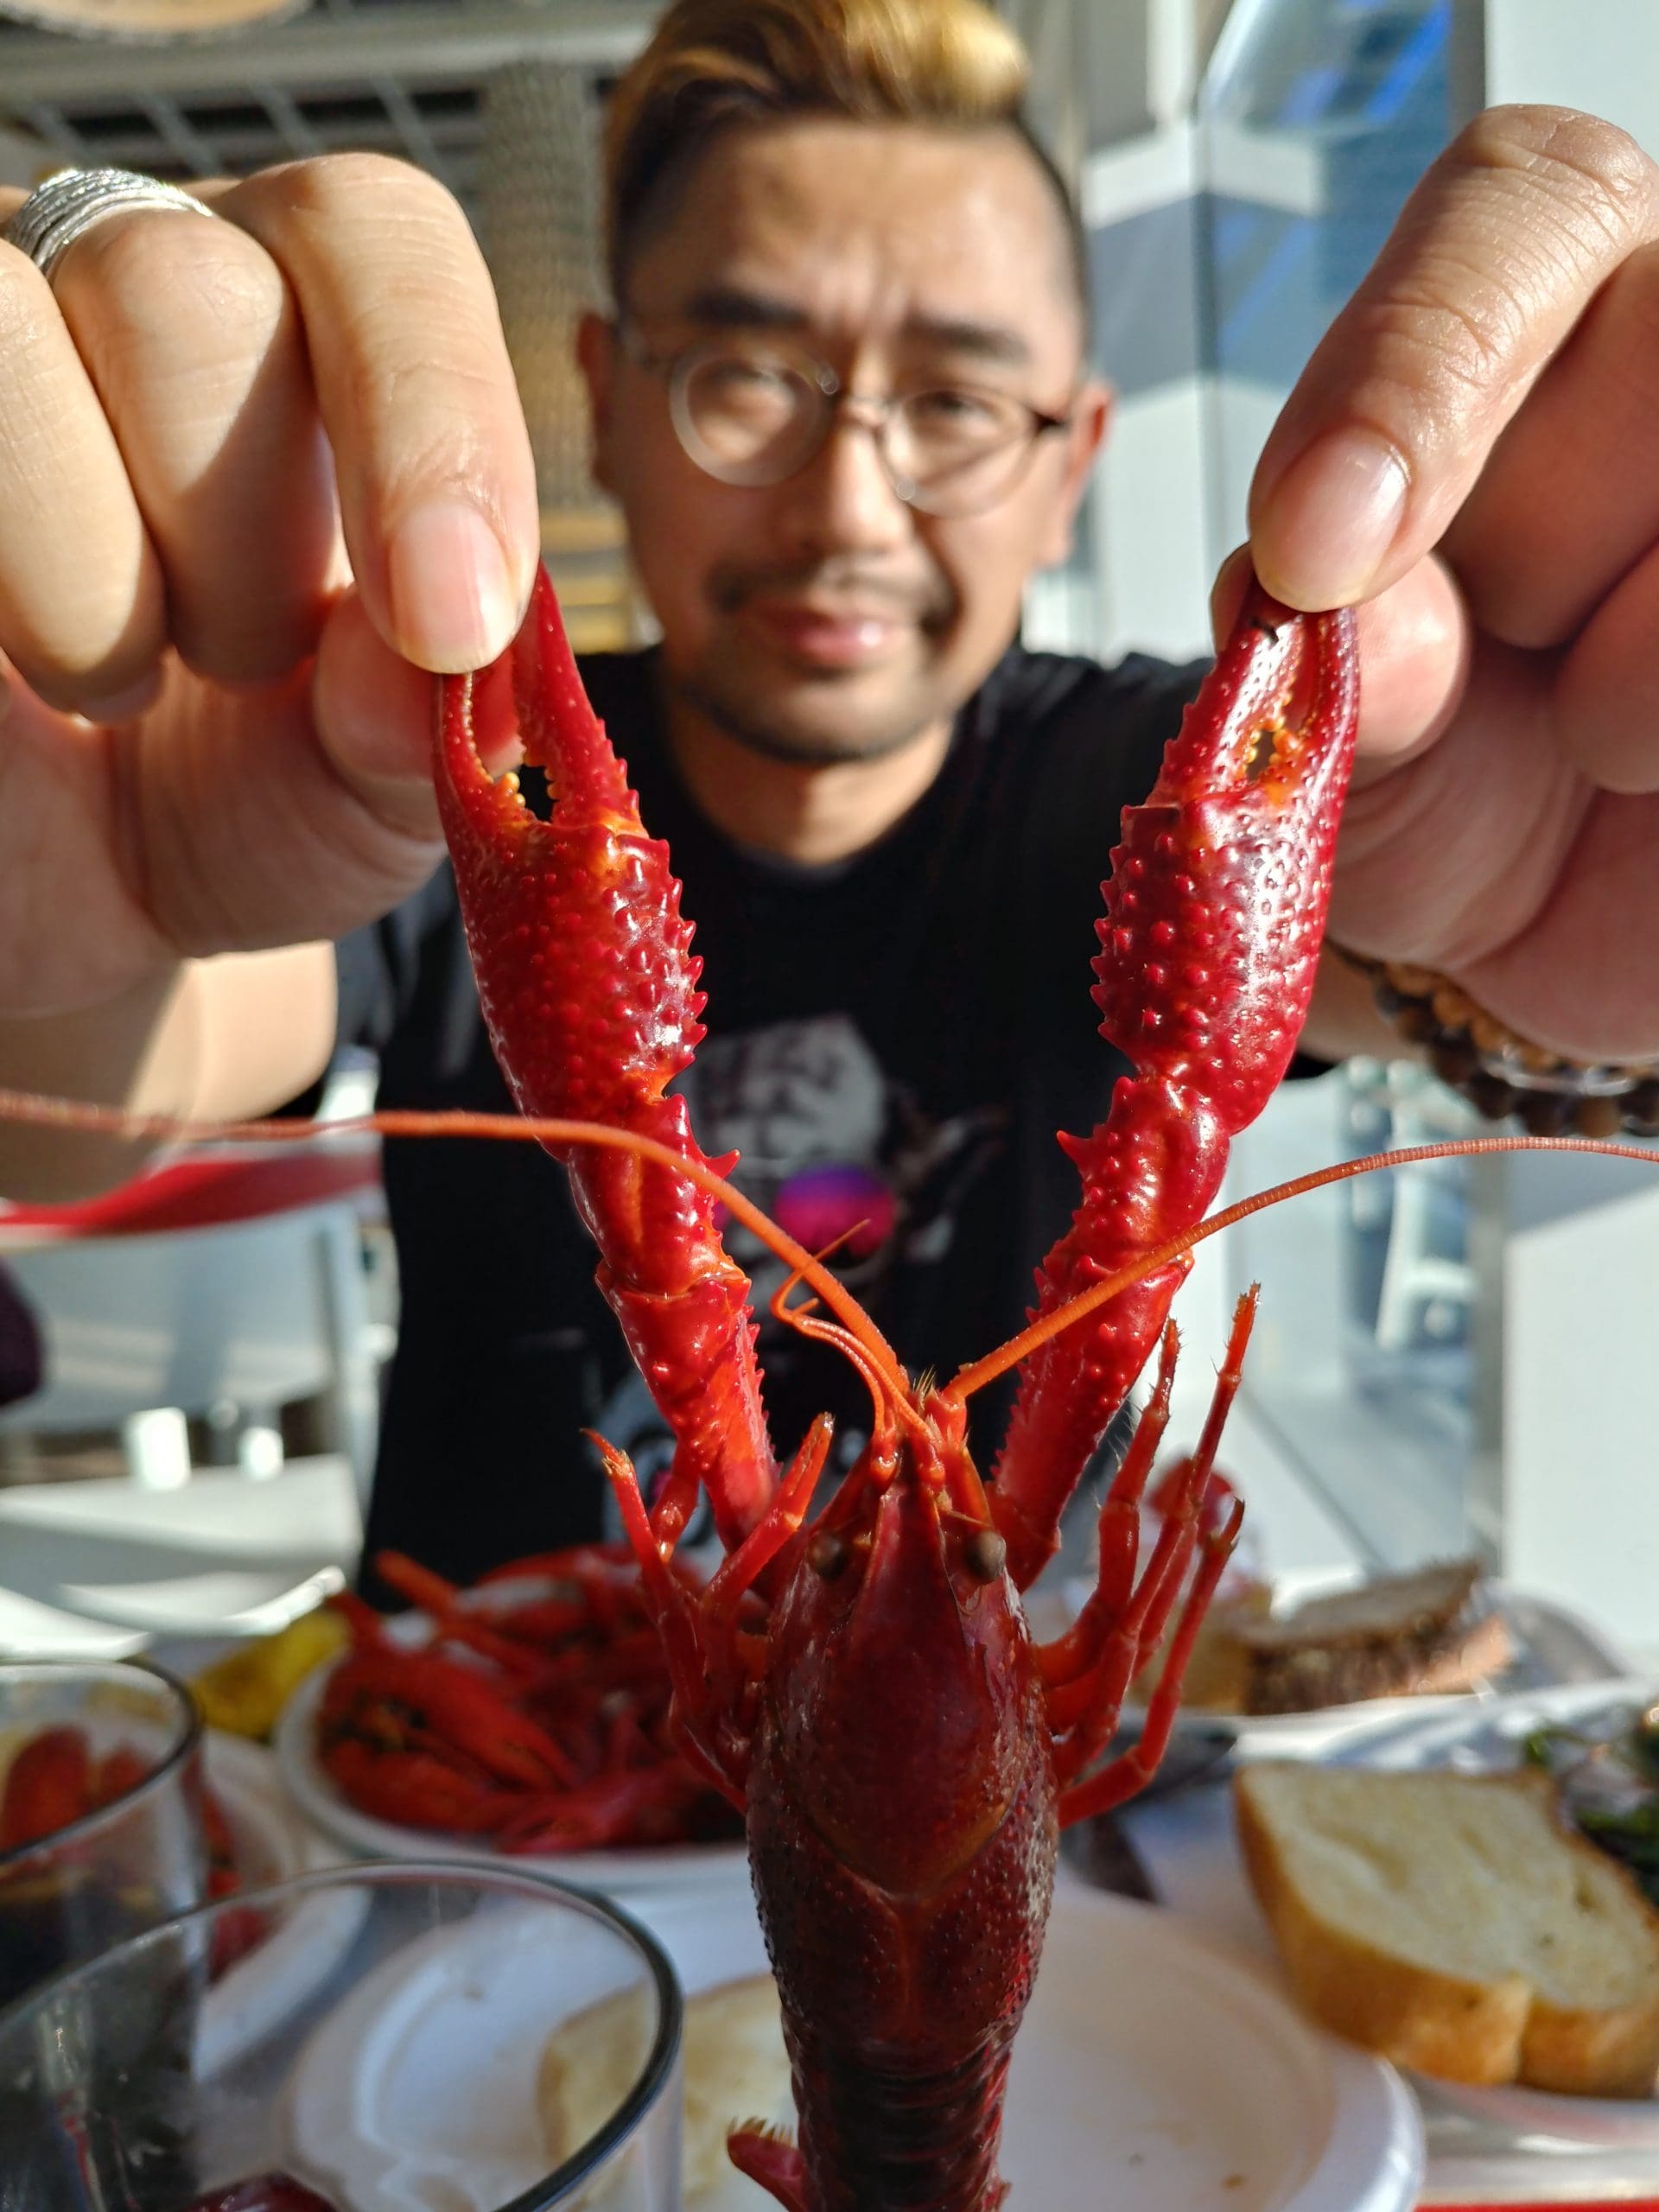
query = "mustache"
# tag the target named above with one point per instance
(927, 599)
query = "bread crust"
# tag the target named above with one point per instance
(1430, 1632)
(1395, 1636)
(1484, 2032)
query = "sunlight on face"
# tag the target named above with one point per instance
(822, 617)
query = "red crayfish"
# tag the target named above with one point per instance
(540, 1721)
(55, 1778)
(864, 1687)
(904, 1754)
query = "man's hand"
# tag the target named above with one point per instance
(1473, 453)
(210, 741)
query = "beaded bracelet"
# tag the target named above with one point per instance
(1502, 1073)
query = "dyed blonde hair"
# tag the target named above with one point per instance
(715, 62)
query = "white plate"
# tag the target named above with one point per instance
(1488, 1740)
(1156, 2073)
(1552, 1646)
(420, 2090)
(272, 1843)
(681, 1865)
(1485, 1736)
(1153, 2072)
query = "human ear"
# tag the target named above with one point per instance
(596, 358)
(1090, 418)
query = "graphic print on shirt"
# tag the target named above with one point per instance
(832, 1147)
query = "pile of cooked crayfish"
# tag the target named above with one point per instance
(536, 1716)
(56, 1778)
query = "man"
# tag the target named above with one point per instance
(836, 257)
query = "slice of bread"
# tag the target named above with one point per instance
(735, 2069)
(1455, 1923)
(1396, 1635)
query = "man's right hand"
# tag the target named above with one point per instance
(215, 735)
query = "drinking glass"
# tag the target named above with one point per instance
(67, 1895)
(397, 2036)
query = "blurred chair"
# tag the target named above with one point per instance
(223, 1288)
(20, 1362)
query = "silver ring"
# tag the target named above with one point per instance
(74, 201)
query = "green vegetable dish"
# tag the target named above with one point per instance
(1608, 1780)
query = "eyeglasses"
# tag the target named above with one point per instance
(756, 414)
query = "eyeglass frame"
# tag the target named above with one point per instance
(676, 365)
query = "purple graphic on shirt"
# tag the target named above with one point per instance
(839, 1154)
(840, 1204)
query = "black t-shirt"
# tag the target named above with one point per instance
(894, 1040)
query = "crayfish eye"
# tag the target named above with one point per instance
(984, 1555)
(827, 1554)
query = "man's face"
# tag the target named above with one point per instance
(822, 617)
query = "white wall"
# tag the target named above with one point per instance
(1577, 1446)
(1604, 59)
(1574, 1412)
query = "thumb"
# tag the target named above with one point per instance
(1497, 256)
(374, 715)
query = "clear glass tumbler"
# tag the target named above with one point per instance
(399, 2039)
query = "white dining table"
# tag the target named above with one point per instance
(100, 1570)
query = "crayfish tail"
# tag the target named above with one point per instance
(876, 2139)
(768, 2156)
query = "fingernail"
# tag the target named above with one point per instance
(1330, 521)
(122, 706)
(1227, 593)
(453, 602)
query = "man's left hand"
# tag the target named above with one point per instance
(1471, 456)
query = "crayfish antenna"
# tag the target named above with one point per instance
(767, 2156)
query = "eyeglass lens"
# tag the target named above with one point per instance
(751, 418)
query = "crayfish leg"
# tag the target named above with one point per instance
(1087, 1707)
(698, 1638)
(771, 2159)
